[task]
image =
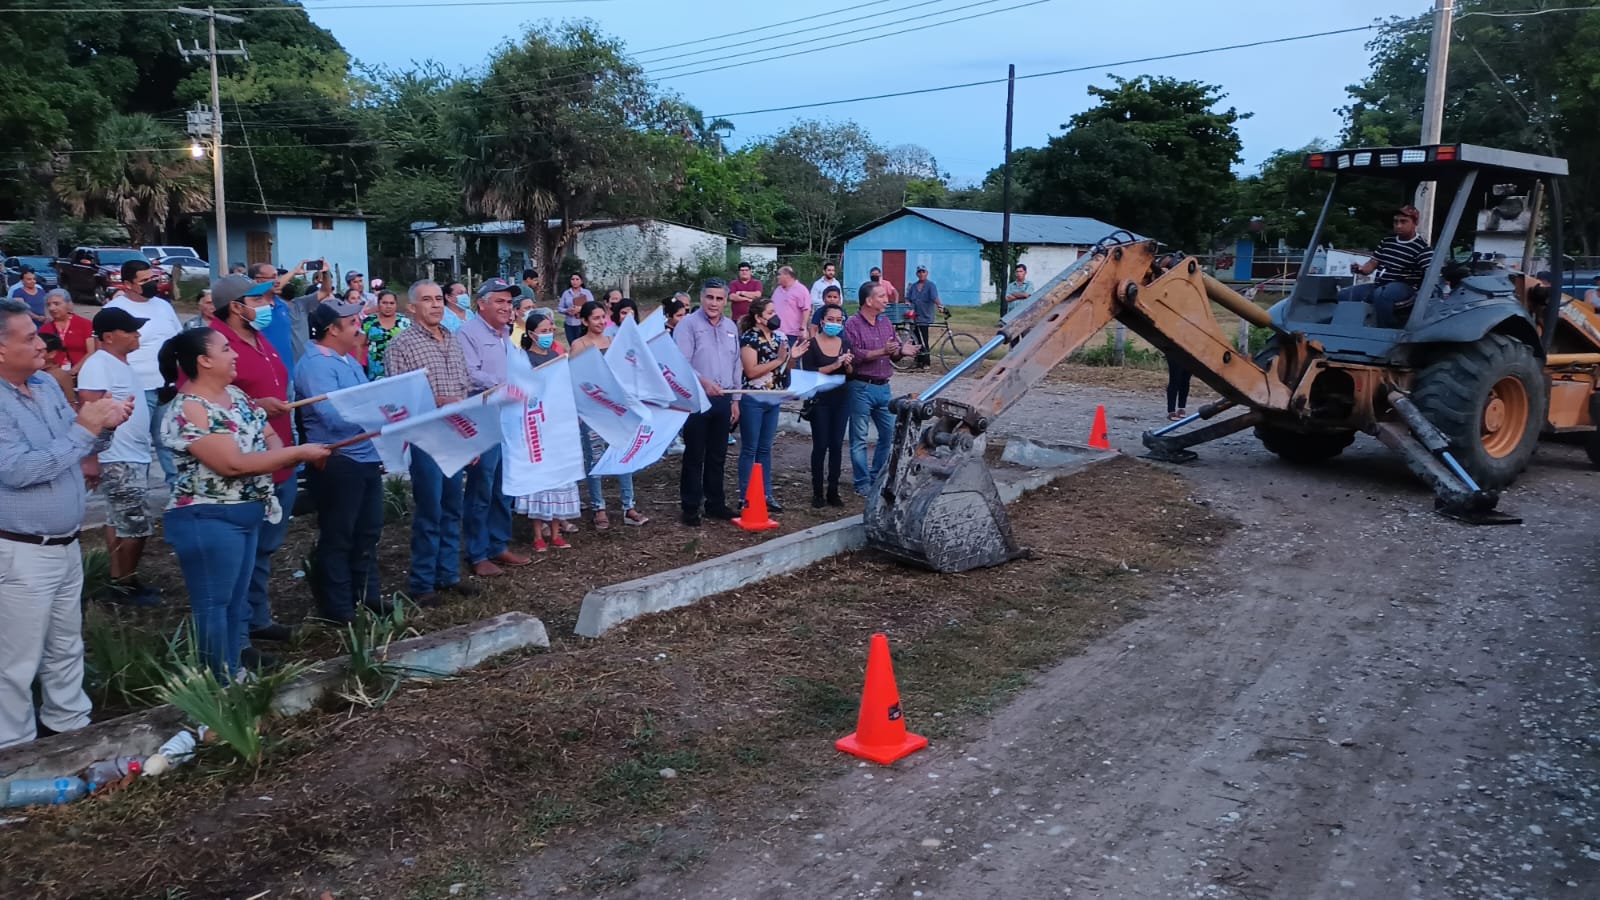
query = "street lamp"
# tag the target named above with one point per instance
(196, 151)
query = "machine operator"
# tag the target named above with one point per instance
(1400, 262)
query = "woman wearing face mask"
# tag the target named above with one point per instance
(456, 306)
(380, 328)
(829, 354)
(594, 338)
(765, 354)
(552, 511)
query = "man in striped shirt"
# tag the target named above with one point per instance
(1400, 262)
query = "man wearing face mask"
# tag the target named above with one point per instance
(138, 299)
(245, 310)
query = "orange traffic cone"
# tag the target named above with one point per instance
(880, 734)
(755, 516)
(1098, 437)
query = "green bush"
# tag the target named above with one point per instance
(125, 665)
(1133, 356)
(233, 712)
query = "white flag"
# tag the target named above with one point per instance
(688, 393)
(453, 435)
(385, 402)
(602, 402)
(635, 366)
(542, 449)
(804, 383)
(654, 325)
(648, 445)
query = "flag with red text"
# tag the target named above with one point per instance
(603, 404)
(452, 435)
(687, 392)
(385, 402)
(635, 366)
(648, 444)
(541, 449)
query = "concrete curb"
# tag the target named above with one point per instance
(142, 733)
(607, 607)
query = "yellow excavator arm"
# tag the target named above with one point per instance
(936, 503)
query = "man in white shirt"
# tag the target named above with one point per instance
(139, 299)
(822, 284)
(125, 465)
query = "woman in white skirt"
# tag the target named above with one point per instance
(549, 510)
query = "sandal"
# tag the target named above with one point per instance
(634, 517)
(601, 522)
(1174, 417)
(568, 527)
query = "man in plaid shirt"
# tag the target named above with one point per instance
(436, 519)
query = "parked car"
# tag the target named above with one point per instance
(109, 260)
(189, 263)
(155, 252)
(42, 266)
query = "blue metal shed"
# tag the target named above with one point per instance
(286, 238)
(950, 243)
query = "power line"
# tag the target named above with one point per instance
(378, 7)
(1054, 72)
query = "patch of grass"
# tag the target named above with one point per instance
(371, 679)
(688, 858)
(548, 813)
(396, 499)
(126, 665)
(821, 704)
(96, 574)
(1133, 355)
(235, 711)
(469, 875)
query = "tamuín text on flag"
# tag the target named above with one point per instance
(647, 446)
(602, 402)
(542, 449)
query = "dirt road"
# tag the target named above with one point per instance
(1357, 699)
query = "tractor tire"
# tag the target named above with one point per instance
(1490, 399)
(1591, 441)
(1304, 447)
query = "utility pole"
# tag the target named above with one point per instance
(210, 14)
(1433, 106)
(1005, 191)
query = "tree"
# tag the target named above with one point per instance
(1285, 197)
(416, 179)
(563, 126)
(1154, 155)
(142, 188)
(1519, 83)
(816, 166)
(903, 175)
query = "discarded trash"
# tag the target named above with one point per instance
(43, 791)
(112, 773)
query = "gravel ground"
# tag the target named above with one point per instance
(1358, 698)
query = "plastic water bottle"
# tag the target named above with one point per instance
(105, 771)
(178, 748)
(42, 791)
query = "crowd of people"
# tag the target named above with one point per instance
(228, 407)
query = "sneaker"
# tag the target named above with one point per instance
(273, 631)
(722, 513)
(816, 501)
(427, 599)
(130, 595)
(559, 542)
(463, 589)
(835, 500)
(379, 607)
(251, 658)
(539, 545)
(691, 519)
(774, 505)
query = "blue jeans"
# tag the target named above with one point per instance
(435, 526)
(758, 426)
(216, 547)
(594, 448)
(163, 452)
(869, 404)
(270, 539)
(349, 524)
(1384, 298)
(488, 509)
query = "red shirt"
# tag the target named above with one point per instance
(261, 373)
(740, 307)
(75, 339)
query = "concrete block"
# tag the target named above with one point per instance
(1039, 454)
(605, 608)
(142, 733)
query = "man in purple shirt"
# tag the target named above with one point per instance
(870, 335)
(487, 510)
(710, 342)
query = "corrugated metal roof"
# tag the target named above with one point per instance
(985, 226)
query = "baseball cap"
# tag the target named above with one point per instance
(256, 290)
(352, 276)
(227, 290)
(109, 320)
(328, 313)
(495, 285)
(922, 268)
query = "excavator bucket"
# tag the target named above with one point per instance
(938, 506)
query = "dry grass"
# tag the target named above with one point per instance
(559, 753)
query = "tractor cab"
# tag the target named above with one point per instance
(1455, 303)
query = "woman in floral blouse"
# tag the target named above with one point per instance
(380, 328)
(765, 355)
(225, 456)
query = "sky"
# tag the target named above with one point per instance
(1293, 90)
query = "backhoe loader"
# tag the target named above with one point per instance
(1488, 359)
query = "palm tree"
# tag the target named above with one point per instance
(137, 174)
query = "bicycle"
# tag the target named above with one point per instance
(951, 347)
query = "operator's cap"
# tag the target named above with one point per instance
(495, 286)
(230, 289)
(109, 320)
(326, 314)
